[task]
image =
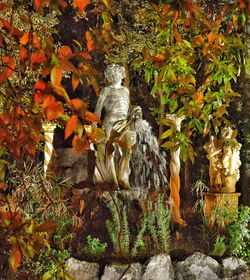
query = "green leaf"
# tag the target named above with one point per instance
(47, 276)
(148, 75)
(155, 89)
(166, 134)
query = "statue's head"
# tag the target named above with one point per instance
(114, 72)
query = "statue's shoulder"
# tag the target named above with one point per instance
(104, 91)
(125, 89)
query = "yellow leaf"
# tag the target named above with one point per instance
(166, 134)
(56, 76)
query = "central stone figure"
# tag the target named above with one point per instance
(114, 99)
(113, 107)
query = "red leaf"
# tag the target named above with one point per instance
(38, 57)
(15, 258)
(2, 41)
(65, 52)
(40, 85)
(71, 126)
(89, 41)
(13, 30)
(91, 117)
(4, 6)
(80, 4)
(80, 145)
(75, 82)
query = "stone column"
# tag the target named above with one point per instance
(48, 129)
(175, 166)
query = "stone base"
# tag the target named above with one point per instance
(218, 206)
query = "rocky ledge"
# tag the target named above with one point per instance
(160, 267)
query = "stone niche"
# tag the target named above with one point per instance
(79, 168)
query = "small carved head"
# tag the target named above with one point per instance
(114, 72)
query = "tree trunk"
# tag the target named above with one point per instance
(245, 116)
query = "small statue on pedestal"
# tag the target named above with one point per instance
(224, 161)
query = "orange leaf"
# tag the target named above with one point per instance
(15, 258)
(39, 4)
(2, 185)
(78, 103)
(10, 65)
(199, 98)
(25, 38)
(80, 4)
(91, 117)
(38, 98)
(49, 100)
(165, 10)
(46, 227)
(85, 55)
(38, 57)
(54, 111)
(65, 52)
(23, 53)
(211, 37)
(176, 15)
(80, 145)
(75, 81)
(242, 5)
(56, 76)
(89, 41)
(71, 126)
(160, 57)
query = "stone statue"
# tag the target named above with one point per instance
(224, 161)
(113, 99)
(175, 166)
(113, 103)
(213, 149)
(230, 160)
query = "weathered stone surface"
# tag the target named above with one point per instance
(80, 168)
(115, 271)
(198, 267)
(81, 270)
(235, 269)
(160, 268)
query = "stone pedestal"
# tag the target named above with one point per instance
(218, 205)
